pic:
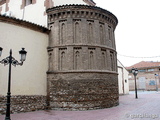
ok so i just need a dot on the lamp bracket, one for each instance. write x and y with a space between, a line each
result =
13 61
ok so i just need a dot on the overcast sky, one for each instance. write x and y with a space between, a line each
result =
138 30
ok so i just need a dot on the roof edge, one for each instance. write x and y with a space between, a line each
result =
143 67
23 23
121 64
77 6
90 2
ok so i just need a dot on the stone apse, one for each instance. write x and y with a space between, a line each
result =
82 71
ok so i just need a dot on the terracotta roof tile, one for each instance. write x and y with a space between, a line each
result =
144 64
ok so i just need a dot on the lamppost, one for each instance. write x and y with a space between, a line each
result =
135 72
156 82
11 61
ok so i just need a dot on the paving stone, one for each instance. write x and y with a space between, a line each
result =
146 107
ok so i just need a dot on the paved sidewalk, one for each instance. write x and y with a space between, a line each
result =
146 107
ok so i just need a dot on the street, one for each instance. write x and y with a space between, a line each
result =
146 107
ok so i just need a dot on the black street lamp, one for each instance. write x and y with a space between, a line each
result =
156 75
1 51
135 72
11 61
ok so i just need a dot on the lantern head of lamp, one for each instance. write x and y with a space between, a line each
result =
135 71
1 51
22 55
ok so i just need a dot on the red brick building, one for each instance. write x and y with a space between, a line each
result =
148 77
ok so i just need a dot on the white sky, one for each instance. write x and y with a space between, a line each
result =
138 30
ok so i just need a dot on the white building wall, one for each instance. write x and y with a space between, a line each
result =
64 2
15 8
123 79
34 13
3 8
30 78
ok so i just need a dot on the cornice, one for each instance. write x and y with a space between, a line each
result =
23 23
82 71
84 45
91 12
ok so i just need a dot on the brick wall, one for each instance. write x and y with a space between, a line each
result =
82 71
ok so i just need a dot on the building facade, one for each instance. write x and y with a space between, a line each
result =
148 76
28 82
123 82
71 64
34 10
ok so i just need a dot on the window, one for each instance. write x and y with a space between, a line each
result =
62 58
77 31
152 82
109 32
150 70
143 70
90 32
101 34
103 59
129 76
76 60
28 2
112 60
91 60
125 81
63 35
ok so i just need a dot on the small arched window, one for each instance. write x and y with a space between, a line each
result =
103 60
90 33
101 34
62 33
62 60
76 33
76 60
91 60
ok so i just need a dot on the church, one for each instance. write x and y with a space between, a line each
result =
71 61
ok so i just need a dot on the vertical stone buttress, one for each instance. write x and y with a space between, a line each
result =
82 71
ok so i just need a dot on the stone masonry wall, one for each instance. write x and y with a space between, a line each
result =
23 103
83 91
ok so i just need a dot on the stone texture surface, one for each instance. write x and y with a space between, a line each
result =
77 91
23 103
